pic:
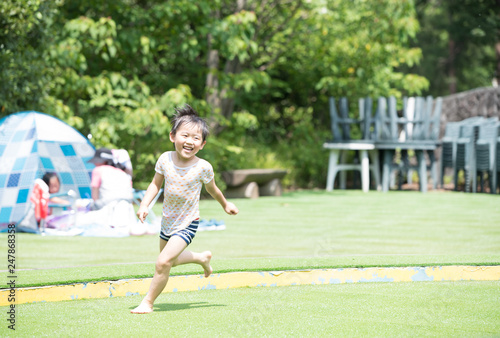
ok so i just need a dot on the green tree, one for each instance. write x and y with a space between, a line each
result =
343 48
260 71
25 37
458 41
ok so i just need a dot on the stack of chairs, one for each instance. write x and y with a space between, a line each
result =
449 148
369 133
496 169
417 131
465 157
474 137
486 150
344 129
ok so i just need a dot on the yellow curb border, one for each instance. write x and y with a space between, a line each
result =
128 287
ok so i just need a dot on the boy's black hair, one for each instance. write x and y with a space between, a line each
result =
187 115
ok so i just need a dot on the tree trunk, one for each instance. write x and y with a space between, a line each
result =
497 72
451 67
227 103
232 67
497 50
216 98
212 84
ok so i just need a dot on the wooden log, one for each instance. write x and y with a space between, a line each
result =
247 190
271 188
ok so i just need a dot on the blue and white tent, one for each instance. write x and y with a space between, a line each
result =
31 144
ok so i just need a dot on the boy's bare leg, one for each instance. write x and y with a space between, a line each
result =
203 259
165 263
171 250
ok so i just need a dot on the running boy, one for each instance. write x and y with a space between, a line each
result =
183 173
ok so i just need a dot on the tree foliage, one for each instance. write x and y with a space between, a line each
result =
25 33
259 71
458 42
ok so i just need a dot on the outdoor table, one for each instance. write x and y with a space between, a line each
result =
336 162
389 149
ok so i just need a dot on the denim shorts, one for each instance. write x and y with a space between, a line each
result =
186 234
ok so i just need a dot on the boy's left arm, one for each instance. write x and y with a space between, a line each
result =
215 192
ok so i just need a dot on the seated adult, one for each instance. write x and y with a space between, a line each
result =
109 181
112 193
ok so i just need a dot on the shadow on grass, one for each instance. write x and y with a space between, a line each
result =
182 306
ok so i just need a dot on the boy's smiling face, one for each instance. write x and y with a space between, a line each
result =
188 140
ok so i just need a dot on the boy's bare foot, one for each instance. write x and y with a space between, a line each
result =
206 263
142 308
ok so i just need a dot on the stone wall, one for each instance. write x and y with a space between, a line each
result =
476 102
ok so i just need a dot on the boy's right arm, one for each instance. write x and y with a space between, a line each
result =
150 194
215 192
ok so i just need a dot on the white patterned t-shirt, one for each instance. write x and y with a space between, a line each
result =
182 190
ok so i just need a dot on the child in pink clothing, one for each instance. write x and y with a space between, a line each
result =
183 174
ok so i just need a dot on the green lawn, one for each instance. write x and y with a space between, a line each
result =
308 229
439 309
